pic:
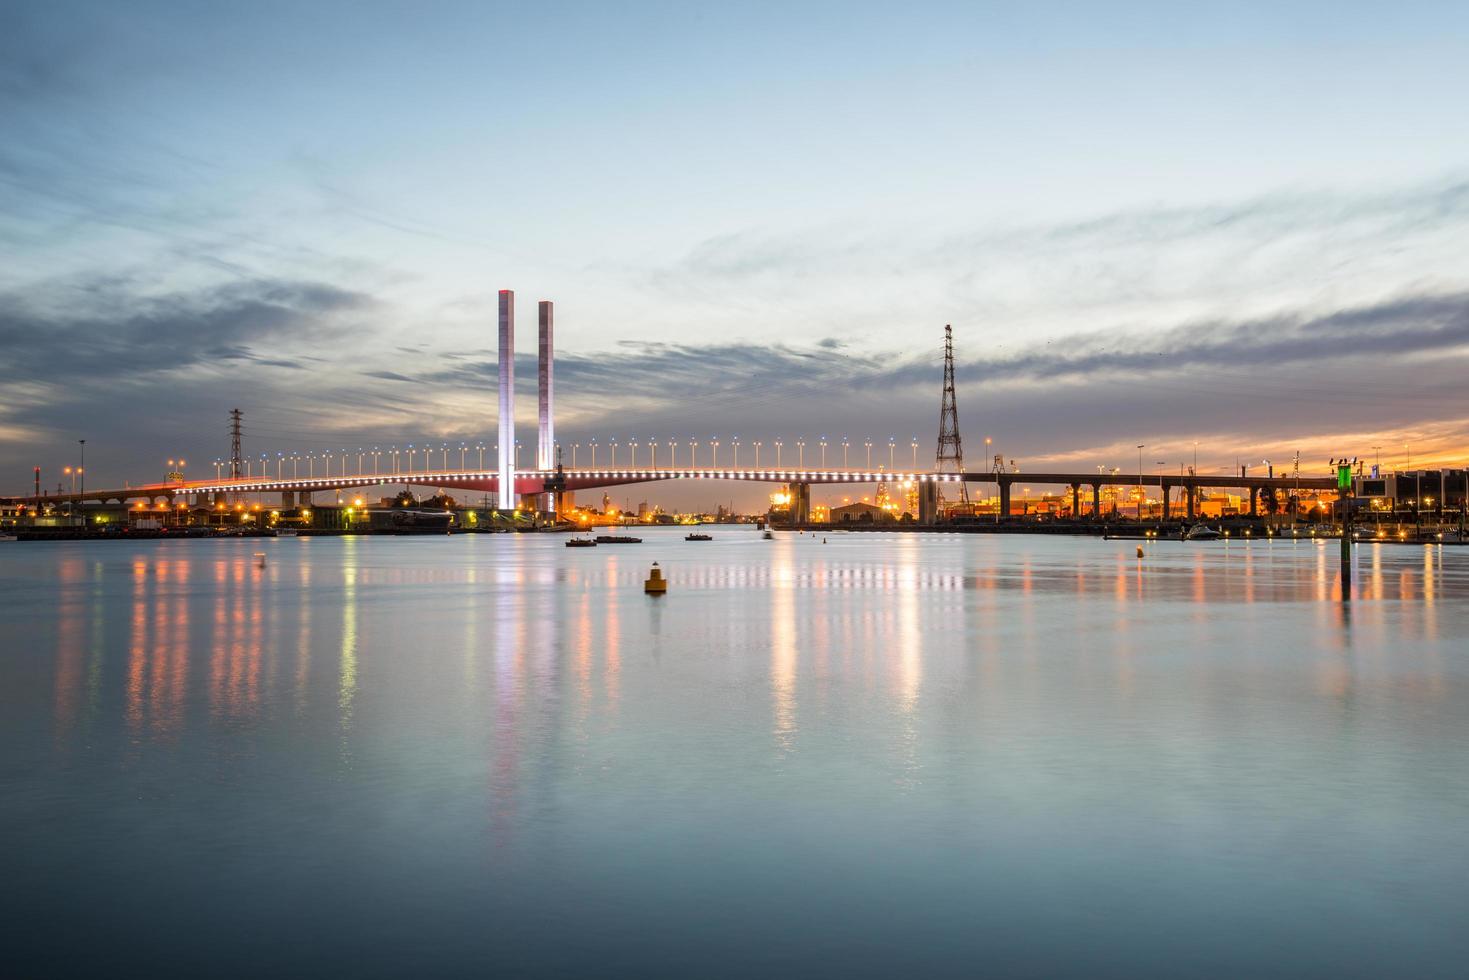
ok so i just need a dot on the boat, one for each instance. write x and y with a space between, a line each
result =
617 539
8 537
698 537
286 532
1202 532
580 543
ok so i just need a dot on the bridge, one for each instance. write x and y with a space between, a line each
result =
540 481
509 484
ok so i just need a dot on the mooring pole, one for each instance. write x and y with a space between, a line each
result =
1344 487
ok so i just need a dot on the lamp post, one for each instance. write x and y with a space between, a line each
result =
757 454
673 454
823 452
736 452
693 454
777 453
801 453
915 453
844 453
82 471
892 447
714 454
868 444
653 452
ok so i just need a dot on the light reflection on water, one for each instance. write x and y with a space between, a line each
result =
873 754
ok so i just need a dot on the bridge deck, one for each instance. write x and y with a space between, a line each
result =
534 481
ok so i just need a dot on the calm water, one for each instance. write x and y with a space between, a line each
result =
884 755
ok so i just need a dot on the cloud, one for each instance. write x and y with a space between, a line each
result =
1395 328
106 335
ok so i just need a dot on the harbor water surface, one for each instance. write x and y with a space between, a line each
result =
858 755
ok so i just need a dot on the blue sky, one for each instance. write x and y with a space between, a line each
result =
1241 224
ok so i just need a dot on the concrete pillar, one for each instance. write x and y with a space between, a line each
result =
506 463
1004 498
288 500
546 443
1096 501
800 503
1166 488
928 502
1192 505
1075 501
1254 502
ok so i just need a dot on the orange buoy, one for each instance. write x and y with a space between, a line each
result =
656 584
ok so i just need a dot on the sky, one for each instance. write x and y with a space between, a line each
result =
1238 225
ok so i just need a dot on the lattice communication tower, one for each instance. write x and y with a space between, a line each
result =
950 456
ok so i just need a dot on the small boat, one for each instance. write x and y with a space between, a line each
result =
580 543
617 539
1202 532
698 537
286 532
8 537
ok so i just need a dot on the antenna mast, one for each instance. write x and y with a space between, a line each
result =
950 457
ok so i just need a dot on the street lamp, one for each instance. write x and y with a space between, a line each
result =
868 444
736 452
778 444
693 454
801 453
757 454
844 453
915 452
714 457
892 446
823 452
